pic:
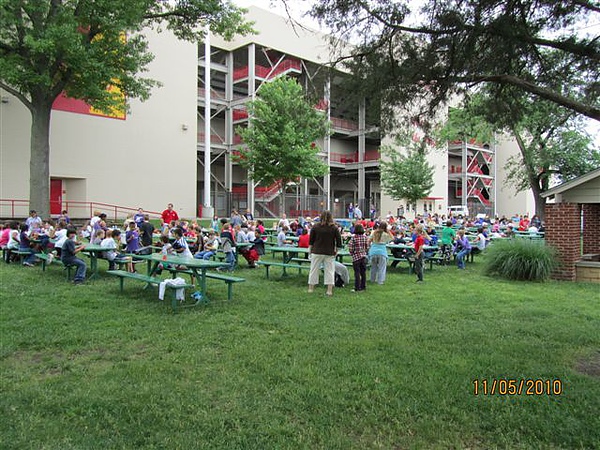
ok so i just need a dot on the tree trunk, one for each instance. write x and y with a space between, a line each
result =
39 164
282 201
539 202
532 176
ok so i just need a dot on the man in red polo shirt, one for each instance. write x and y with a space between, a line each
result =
169 214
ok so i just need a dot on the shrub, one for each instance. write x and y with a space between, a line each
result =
520 259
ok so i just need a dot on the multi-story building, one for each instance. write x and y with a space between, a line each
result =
464 175
157 153
237 70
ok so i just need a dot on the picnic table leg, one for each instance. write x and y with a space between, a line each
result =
152 268
202 277
174 301
93 265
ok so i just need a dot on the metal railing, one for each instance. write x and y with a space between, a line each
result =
13 208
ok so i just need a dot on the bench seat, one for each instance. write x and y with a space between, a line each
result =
56 260
228 279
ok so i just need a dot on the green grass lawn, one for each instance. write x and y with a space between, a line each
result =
85 367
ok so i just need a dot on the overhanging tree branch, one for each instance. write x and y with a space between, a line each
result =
545 93
17 94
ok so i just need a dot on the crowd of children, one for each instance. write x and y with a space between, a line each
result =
367 239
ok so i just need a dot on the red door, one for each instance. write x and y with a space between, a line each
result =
55 197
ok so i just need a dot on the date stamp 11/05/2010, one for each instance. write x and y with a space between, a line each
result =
517 386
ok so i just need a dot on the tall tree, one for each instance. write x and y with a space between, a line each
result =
448 46
551 139
80 47
279 143
405 172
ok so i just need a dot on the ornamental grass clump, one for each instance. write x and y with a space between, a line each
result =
520 259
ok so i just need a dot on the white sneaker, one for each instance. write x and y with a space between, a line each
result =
50 258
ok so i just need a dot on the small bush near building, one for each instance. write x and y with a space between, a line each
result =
520 259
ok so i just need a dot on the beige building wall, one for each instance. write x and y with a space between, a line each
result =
147 160
508 201
279 33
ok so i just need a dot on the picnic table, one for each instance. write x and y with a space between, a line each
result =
410 253
94 252
197 266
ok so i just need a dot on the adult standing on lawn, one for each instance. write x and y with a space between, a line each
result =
325 240
169 215
378 256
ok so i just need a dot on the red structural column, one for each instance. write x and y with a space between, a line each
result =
563 225
591 228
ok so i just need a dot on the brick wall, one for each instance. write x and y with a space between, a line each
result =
562 232
591 228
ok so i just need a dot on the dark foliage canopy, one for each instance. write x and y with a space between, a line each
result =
449 46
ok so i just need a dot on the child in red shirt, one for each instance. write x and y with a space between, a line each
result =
419 257
303 240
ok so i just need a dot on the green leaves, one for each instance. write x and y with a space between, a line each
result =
520 259
433 50
280 139
83 47
93 50
407 175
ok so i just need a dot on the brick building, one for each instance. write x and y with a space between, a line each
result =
573 227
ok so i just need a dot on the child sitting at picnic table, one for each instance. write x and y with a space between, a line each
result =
249 253
25 245
228 246
112 242
480 242
69 249
180 246
462 248
304 239
398 253
282 237
210 247
98 237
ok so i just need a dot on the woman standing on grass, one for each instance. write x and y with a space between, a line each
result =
378 252
324 242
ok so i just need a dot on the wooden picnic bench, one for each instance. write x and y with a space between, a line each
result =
150 280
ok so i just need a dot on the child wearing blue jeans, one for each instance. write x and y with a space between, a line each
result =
69 250
228 246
